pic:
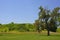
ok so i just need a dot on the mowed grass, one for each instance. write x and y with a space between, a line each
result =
29 36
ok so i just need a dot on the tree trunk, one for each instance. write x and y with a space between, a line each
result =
48 32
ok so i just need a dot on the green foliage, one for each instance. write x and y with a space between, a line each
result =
58 30
47 19
17 27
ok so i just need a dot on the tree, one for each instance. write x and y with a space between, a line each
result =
10 26
47 19
37 25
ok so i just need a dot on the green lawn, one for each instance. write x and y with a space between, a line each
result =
29 36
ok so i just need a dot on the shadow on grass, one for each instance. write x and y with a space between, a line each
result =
50 35
55 35
47 35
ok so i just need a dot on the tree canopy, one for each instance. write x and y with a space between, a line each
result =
48 19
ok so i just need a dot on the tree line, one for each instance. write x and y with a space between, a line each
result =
24 27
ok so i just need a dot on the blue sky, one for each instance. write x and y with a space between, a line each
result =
23 11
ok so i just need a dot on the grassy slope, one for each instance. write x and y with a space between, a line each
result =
29 36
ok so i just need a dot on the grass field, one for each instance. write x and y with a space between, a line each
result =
29 36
